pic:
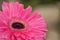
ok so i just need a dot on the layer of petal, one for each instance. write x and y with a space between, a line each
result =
34 16
27 12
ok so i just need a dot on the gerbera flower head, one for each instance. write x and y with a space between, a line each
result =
17 23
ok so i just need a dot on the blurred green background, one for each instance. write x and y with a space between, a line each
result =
35 3
50 10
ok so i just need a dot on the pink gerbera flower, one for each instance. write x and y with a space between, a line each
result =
16 23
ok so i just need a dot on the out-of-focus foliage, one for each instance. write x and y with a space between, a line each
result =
37 2
30 2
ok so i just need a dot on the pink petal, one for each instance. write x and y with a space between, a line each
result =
17 9
27 12
4 35
5 8
14 9
34 16
38 24
20 10
2 18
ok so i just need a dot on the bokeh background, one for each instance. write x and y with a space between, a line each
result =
50 10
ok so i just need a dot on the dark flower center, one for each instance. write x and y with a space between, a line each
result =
17 25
